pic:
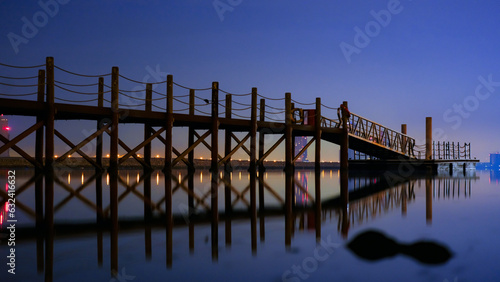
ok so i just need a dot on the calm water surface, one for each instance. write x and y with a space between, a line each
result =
460 212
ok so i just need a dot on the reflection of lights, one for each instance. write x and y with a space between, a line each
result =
231 175
69 178
201 177
322 174
220 174
157 178
180 177
239 175
265 175
6 206
137 179
107 179
6 128
330 174
128 178
83 178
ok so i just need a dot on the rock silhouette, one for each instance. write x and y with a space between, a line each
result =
373 245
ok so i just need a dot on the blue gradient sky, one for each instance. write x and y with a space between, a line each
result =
425 61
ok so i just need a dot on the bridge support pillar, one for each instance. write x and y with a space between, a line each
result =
428 138
404 147
344 143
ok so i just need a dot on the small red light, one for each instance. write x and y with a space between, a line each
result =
6 128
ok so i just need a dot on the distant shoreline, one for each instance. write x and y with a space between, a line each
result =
157 163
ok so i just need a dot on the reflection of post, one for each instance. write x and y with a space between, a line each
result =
344 143
148 214
49 224
113 198
344 198
39 176
99 215
317 204
288 206
404 199
428 200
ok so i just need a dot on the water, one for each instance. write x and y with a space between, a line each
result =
460 213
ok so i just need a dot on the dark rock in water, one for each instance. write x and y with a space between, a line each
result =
373 245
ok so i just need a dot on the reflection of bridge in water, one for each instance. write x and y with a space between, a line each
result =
358 201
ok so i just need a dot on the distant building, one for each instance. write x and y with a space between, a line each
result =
495 160
4 130
300 143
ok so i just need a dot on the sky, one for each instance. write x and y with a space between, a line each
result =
394 62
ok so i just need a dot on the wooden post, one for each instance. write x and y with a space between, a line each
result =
168 167
100 104
147 126
191 171
113 169
404 148
317 135
227 174
215 170
39 175
288 132
344 143
253 170
261 173
49 171
428 200
428 138
317 168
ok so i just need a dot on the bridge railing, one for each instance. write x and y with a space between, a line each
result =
377 133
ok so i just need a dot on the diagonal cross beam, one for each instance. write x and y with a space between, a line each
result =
240 144
77 193
205 143
303 150
243 146
143 143
11 144
200 139
162 139
261 160
124 146
75 149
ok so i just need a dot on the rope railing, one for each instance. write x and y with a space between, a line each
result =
21 67
76 92
80 74
189 88
11 77
450 151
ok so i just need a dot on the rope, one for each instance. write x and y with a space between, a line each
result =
328 107
274 99
208 102
241 104
130 106
131 97
140 82
274 108
244 94
181 101
22 67
305 104
133 91
182 110
79 74
18 95
274 113
244 109
76 85
15 85
76 92
273 119
202 112
188 88
82 101
10 77
164 95
240 116
158 107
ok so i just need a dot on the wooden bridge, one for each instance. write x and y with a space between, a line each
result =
347 129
